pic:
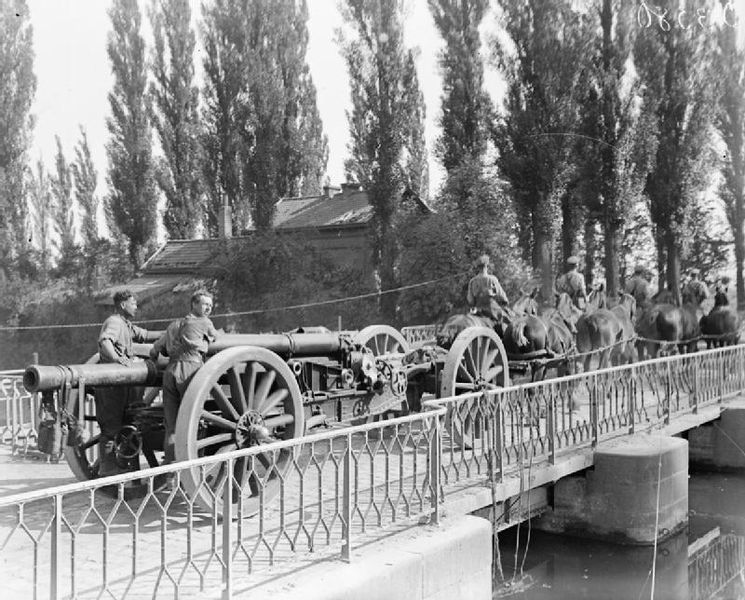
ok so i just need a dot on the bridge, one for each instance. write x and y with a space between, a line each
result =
510 453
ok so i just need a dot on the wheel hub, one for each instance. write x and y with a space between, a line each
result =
251 430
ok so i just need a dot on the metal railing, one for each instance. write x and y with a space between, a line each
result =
225 519
19 411
496 431
142 532
420 334
715 567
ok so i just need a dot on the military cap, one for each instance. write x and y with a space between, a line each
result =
482 260
572 260
639 269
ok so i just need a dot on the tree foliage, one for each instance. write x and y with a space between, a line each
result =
17 89
386 147
85 178
675 67
466 107
64 217
132 199
542 59
730 123
42 216
175 103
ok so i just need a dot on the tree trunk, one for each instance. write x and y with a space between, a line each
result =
589 249
612 252
739 259
567 233
661 261
673 269
542 252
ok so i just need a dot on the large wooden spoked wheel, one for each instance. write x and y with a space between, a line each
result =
83 454
241 397
476 361
382 339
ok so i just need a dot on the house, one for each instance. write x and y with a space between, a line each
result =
335 222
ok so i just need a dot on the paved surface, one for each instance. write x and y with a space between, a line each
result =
34 471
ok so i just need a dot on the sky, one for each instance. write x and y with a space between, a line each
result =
74 76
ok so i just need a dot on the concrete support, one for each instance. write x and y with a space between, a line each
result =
721 444
449 562
617 500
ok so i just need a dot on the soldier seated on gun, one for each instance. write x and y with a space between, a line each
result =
185 343
115 346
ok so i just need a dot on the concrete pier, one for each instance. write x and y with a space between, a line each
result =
617 499
720 444
449 562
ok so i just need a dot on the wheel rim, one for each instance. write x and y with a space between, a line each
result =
476 362
241 397
382 339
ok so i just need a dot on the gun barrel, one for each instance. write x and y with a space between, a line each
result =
284 344
39 378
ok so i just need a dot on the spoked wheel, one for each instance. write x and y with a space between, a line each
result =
241 397
382 339
475 362
134 450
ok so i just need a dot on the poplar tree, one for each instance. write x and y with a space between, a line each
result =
17 89
542 62
64 213
132 199
386 103
675 65
41 201
85 177
175 102
730 122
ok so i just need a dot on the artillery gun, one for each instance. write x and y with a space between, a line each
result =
258 388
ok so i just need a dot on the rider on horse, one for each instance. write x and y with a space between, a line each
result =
485 294
572 283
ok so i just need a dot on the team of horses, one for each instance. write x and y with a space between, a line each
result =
609 331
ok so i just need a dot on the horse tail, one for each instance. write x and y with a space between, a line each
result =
518 334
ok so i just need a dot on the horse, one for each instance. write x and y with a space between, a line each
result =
721 321
666 323
551 334
525 305
603 331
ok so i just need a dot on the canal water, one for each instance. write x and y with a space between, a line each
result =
705 562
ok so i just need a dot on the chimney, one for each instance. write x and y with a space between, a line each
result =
330 190
225 221
350 186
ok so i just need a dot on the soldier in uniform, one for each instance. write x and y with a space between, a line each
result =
185 343
115 346
695 290
573 283
485 294
638 286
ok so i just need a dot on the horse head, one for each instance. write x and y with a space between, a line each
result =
568 312
665 296
527 304
720 298
628 302
596 298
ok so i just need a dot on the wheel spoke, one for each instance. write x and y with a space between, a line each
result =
237 393
491 374
471 365
376 339
279 421
460 385
218 420
222 400
489 357
249 383
263 389
273 400
220 438
463 372
90 443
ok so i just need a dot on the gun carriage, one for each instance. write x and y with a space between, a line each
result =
258 388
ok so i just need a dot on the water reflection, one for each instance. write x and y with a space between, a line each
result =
706 562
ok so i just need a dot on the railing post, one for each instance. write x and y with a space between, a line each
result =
227 531
54 576
435 456
551 429
498 437
696 399
668 393
721 377
594 411
632 400
346 548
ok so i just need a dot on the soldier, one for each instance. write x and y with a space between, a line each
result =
638 286
485 294
115 346
573 283
695 290
185 343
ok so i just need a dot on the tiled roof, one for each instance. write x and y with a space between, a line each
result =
143 287
319 211
183 256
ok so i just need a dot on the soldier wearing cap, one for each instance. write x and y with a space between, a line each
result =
638 286
573 283
695 290
485 294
